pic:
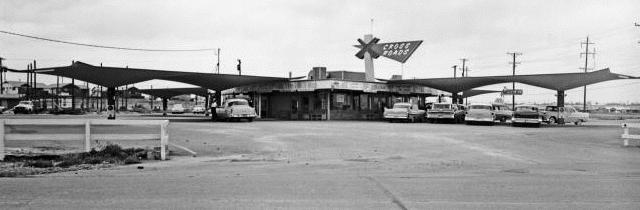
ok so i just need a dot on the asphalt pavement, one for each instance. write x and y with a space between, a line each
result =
356 165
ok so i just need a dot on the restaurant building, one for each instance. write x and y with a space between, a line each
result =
329 95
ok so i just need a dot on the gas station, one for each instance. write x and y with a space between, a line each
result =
323 95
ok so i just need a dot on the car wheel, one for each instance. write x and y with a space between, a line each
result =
250 119
552 120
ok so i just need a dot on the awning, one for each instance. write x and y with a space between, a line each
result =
117 76
171 92
558 82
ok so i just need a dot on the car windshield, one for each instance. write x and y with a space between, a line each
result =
233 103
480 107
551 108
401 106
442 106
177 106
527 108
25 102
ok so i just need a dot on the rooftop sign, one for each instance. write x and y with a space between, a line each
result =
398 51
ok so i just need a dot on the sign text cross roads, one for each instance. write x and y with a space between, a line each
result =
398 51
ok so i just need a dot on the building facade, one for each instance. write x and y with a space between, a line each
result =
334 95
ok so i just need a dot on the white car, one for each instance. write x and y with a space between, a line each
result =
198 109
177 109
480 113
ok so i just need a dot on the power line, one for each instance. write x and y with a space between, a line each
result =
107 47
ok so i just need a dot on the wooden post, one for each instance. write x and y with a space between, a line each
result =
2 140
87 136
164 140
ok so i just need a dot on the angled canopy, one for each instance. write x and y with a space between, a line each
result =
116 76
171 92
475 92
559 82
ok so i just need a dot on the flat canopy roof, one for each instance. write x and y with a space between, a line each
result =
559 82
171 92
117 76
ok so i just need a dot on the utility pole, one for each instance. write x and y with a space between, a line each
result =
513 84
466 99
218 64
455 68
586 54
464 61
637 25
239 67
1 76
35 85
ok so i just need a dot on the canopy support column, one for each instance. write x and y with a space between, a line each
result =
560 96
111 103
164 106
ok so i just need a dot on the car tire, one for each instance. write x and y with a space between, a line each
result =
552 120
250 119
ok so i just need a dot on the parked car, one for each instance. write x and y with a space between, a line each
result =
235 109
446 112
198 109
177 109
405 112
526 115
27 107
480 113
562 115
502 112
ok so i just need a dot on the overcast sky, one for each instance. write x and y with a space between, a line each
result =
275 37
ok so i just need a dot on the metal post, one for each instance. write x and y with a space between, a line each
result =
111 101
164 106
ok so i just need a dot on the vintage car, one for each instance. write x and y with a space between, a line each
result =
479 113
446 112
562 115
526 115
28 107
235 109
177 109
502 112
198 109
405 112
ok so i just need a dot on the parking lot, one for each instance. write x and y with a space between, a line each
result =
357 165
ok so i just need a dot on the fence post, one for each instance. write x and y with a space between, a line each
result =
164 140
87 136
2 140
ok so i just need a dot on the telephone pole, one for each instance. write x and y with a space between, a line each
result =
513 84
637 25
1 76
218 64
464 61
586 54
455 68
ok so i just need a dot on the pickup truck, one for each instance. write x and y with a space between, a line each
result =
444 111
404 111
235 109
562 115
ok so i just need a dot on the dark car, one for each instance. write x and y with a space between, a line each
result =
526 115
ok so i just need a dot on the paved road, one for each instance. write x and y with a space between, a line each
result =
358 165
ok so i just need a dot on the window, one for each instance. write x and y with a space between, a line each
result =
480 107
442 106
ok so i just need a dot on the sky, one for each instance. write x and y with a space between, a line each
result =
273 38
